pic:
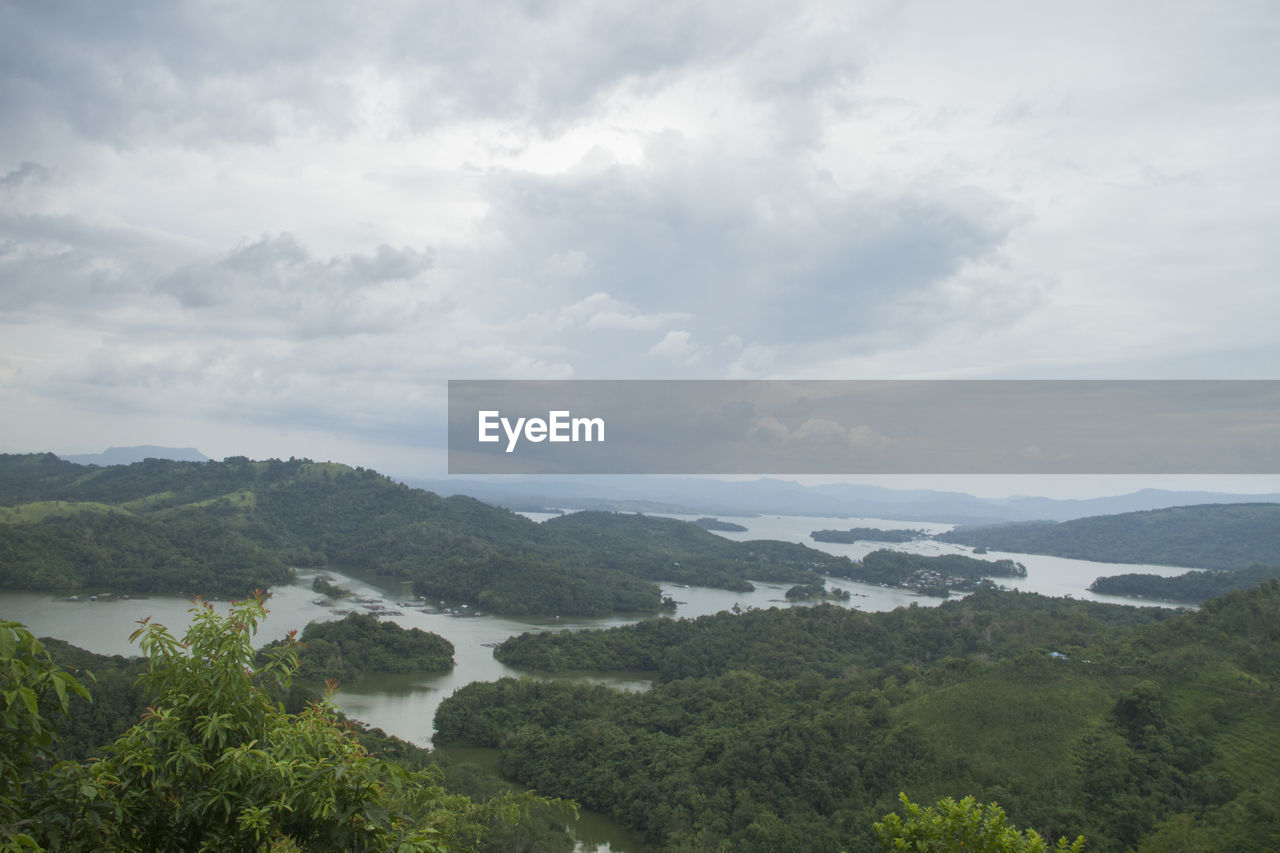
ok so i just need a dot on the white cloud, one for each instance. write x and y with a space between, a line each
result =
677 346
282 222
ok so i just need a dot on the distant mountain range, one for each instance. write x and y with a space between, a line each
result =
1209 536
773 496
129 455
766 496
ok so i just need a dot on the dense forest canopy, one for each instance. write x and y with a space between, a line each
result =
226 528
1209 536
798 728
707 523
1192 587
1140 728
361 644
866 534
217 763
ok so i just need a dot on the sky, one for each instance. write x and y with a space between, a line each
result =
255 231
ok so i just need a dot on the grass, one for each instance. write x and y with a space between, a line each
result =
317 470
36 511
149 502
244 500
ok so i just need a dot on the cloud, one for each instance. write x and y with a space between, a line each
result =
278 274
27 173
814 438
247 73
678 346
233 209
602 311
773 251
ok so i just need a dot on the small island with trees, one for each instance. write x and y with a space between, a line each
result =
866 534
816 591
938 575
360 644
723 526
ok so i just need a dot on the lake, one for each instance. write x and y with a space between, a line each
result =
405 705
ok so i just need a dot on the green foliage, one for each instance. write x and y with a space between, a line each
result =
228 527
901 568
326 587
796 729
815 591
100 552
217 764
117 701
866 534
707 523
827 640
1192 587
1210 536
34 691
964 825
360 644
667 549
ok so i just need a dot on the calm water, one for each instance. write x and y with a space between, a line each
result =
405 705
1055 576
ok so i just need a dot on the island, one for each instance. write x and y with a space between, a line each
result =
717 524
866 534
931 575
816 591
361 644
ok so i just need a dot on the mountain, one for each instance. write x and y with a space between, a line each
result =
770 496
1207 536
129 455
794 729
1147 499
226 528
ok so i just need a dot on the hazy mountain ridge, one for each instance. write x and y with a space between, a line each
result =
768 496
139 453
1214 536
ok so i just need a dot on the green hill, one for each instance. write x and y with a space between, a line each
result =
1209 536
796 729
1192 587
225 528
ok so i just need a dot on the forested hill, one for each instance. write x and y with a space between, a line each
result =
1143 729
1209 536
225 528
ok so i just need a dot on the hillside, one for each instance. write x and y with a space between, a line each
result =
1192 587
795 729
225 528
1207 536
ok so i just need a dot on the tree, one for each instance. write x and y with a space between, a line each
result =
217 764
31 686
964 825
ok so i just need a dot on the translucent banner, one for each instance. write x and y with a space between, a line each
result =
864 427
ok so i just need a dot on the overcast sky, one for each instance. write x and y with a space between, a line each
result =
278 229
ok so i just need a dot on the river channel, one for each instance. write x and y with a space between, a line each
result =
405 705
